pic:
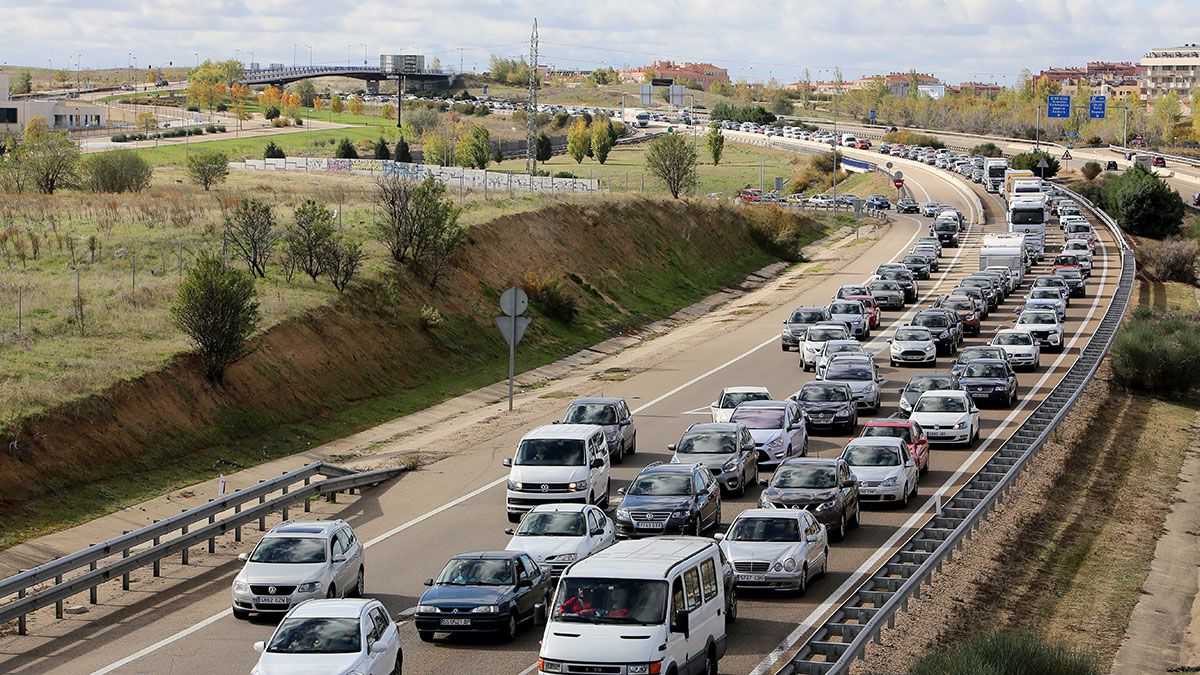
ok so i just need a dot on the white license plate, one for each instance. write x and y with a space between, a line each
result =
271 599
650 526
456 622
751 577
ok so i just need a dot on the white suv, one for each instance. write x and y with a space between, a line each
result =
558 463
298 561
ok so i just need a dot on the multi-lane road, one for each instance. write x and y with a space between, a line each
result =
457 504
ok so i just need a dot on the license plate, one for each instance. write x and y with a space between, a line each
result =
751 577
271 599
456 622
650 526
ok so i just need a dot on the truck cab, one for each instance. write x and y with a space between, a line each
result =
946 230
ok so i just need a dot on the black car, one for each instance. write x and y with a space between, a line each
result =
906 281
669 499
942 328
986 286
828 405
907 205
824 485
918 265
1110 165
974 353
990 380
957 329
922 383
484 592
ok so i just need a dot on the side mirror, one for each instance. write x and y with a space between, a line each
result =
260 646
428 582
509 530
888 340
680 624
243 557
849 483
378 647
339 559
762 483
719 536
620 491
671 447
879 379
524 583
713 405
909 463
597 463
557 422
598 531
507 461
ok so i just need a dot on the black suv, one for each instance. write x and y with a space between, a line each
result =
905 278
669 499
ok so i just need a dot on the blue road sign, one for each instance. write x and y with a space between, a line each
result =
1058 106
873 114
1098 107
485 87
1072 133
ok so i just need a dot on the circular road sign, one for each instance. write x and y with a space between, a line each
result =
514 302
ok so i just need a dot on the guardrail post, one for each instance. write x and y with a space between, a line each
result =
262 520
212 541
125 576
92 590
58 606
237 531
285 508
21 619
183 555
308 499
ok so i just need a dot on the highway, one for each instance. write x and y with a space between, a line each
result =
457 504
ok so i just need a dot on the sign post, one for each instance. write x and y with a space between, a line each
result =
873 114
512 325
1042 165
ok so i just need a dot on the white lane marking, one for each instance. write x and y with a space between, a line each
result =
163 642
869 565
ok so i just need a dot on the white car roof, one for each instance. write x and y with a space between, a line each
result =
746 390
640 558
1013 330
945 393
559 508
350 608
576 431
876 440
769 513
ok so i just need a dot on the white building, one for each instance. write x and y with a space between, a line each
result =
1175 68
16 113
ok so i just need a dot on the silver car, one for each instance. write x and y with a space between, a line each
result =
888 294
726 450
797 325
611 414
853 314
298 561
815 338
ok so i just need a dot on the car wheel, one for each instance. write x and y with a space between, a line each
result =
731 608
360 585
541 616
824 564
717 518
398 667
892 362
607 491
331 592
425 635
698 527
240 614
509 632
710 662
841 531
619 458
784 347
741 491
857 519
632 444
803 580
904 499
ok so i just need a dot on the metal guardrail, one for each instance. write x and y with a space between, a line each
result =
338 479
1182 159
844 635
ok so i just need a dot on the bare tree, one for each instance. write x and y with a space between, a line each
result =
341 261
394 194
250 230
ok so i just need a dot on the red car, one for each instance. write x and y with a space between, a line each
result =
907 430
1158 161
751 195
872 308
863 144
1066 261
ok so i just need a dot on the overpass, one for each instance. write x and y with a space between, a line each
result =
371 74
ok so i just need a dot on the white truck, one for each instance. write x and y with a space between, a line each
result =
993 173
1007 249
641 118
1027 214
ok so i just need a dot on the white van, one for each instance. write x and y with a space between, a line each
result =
848 140
558 464
643 607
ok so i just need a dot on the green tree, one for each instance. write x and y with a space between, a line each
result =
307 92
715 140
216 307
1143 203
474 149
345 150
23 84
1196 113
578 140
336 104
403 153
435 149
49 158
311 233
207 169
602 138
1091 170
381 149
545 148
672 160
781 103
1030 160
117 171
1167 111
273 151
250 231
341 260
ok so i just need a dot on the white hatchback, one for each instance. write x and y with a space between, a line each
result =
1022 349
332 636
947 416
732 397
556 535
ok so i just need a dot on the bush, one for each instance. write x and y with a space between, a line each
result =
222 107
298 121
1169 260
381 149
1143 203
781 233
273 151
192 107
117 171
345 150
913 138
1091 170
120 138
548 293
271 112
280 122
208 168
544 149
1030 160
221 128
217 309
1007 653
431 318
565 174
988 149
211 129
1158 351
1095 141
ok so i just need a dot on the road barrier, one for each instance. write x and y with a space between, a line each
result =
1182 159
184 535
844 635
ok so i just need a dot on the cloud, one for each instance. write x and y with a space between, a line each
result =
955 39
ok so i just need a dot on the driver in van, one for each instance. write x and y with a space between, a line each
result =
577 604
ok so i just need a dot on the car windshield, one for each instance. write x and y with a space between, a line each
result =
552 524
885 286
801 477
932 320
1014 339
551 452
888 431
916 260
845 308
913 335
807 316
1075 228
1027 216
849 371
1066 260
757 418
765 529
960 305
824 393
591 413
842 348
946 226
920 385
308 635
1045 293
708 443
1070 274
289 550
634 601
990 370
477 572
1037 318
733 399
871 455
662 484
823 333
893 275
941 404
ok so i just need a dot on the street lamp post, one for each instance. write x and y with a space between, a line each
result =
309 55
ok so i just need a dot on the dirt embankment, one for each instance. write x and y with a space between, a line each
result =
370 356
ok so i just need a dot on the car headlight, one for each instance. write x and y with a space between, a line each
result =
577 486
428 609
764 503
731 465
514 485
643 668
930 348
904 404
944 334
842 412
961 425
486 609
1001 387
240 586
826 506
870 388
681 513
307 587
789 564
623 514
564 557
776 442
778 567
890 482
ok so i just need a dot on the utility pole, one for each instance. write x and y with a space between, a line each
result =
460 61
1037 142
531 108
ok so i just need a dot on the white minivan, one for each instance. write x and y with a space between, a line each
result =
639 607
558 463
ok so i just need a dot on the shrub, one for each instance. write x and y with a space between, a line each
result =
117 171
1030 160
250 232
271 112
544 149
988 149
345 150
212 129
1007 653
1158 351
120 138
1169 260
1091 170
548 293
192 107
1095 141
564 174
1143 203
222 107
208 168
298 121
381 149
781 233
221 128
403 153
273 151
280 122
217 309
913 138
431 318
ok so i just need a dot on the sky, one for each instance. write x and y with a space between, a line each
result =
959 40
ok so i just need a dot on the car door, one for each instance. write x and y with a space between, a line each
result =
355 554
337 558
387 633
921 443
598 450
911 470
677 638
813 549
796 432
1012 378
371 634
849 492
628 430
714 495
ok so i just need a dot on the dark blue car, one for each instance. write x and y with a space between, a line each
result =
669 499
878 202
491 592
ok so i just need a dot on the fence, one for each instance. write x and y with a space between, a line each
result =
844 635
184 535
452 176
